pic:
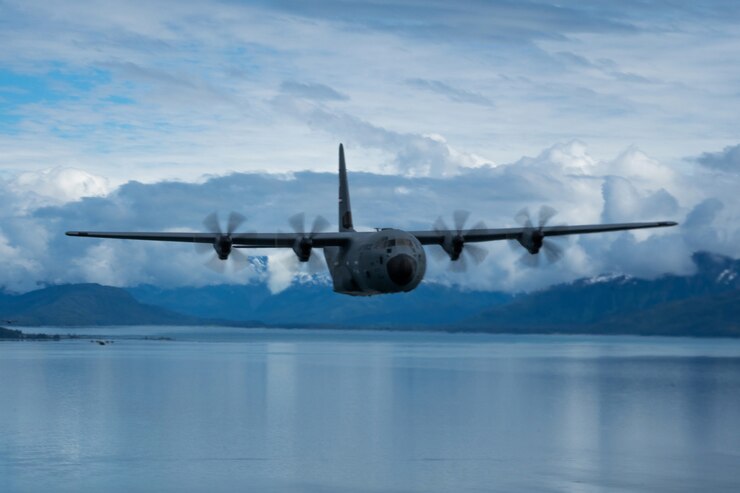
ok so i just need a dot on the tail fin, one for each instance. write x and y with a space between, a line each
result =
345 210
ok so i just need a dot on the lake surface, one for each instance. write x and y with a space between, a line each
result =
327 411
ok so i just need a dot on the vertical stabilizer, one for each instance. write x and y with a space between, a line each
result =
345 210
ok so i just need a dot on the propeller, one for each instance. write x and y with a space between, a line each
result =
303 245
534 241
453 243
223 243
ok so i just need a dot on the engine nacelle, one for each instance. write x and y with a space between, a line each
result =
222 245
302 248
532 241
453 245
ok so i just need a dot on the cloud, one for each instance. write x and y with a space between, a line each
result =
413 154
316 92
166 90
454 94
564 176
604 66
727 160
465 21
637 166
700 230
623 202
59 185
18 270
704 214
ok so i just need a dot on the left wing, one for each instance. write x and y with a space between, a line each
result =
238 240
479 235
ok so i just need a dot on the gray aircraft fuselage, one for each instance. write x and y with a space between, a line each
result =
386 261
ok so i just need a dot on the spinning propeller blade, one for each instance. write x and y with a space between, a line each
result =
454 245
222 245
534 241
304 258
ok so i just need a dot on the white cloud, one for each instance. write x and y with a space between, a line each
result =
101 265
18 270
623 202
728 159
280 274
167 90
60 185
635 165
564 176
411 154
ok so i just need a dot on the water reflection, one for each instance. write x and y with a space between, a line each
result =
310 411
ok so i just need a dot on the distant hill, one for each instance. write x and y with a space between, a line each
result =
700 304
430 305
85 304
703 316
706 303
11 334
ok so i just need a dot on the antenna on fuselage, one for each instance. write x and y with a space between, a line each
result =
345 210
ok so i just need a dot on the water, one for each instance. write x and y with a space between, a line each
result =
317 411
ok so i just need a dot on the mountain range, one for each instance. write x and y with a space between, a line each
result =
84 304
706 303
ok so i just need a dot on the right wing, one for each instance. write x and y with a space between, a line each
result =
438 237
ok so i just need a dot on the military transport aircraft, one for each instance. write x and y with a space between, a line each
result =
386 260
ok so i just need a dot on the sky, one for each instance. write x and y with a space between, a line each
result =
150 115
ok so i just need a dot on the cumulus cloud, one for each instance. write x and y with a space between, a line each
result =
623 202
703 215
635 165
564 176
19 271
728 159
59 185
701 230
567 158
651 257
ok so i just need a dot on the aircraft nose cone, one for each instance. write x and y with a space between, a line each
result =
401 269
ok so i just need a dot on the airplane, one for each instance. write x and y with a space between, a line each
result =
387 260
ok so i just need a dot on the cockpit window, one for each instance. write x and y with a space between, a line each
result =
402 242
392 242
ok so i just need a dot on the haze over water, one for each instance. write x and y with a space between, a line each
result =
320 411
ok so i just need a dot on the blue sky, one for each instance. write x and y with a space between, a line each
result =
606 110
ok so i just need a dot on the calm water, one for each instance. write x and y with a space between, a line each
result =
321 411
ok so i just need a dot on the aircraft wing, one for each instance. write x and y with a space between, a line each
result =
321 240
239 240
478 235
